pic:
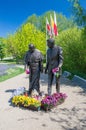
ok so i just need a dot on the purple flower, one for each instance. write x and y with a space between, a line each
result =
53 99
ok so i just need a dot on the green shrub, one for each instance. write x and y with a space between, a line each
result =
73 43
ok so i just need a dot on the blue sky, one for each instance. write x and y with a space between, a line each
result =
14 12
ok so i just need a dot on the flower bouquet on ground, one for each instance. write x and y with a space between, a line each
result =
37 102
26 102
51 101
60 97
47 103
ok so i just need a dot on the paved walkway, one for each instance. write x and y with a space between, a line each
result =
71 115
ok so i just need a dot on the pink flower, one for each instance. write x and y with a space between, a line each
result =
55 70
27 71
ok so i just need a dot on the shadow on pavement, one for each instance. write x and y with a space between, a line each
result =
10 90
63 81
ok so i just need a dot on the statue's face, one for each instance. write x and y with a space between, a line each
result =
31 48
50 45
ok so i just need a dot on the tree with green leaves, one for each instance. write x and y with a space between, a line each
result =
40 21
2 53
18 43
79 13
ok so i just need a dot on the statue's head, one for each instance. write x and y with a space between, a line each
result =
50 42
31 47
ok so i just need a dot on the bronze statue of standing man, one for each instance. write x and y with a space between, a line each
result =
33 59
54 62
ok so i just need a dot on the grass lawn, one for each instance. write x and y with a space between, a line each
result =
11 73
